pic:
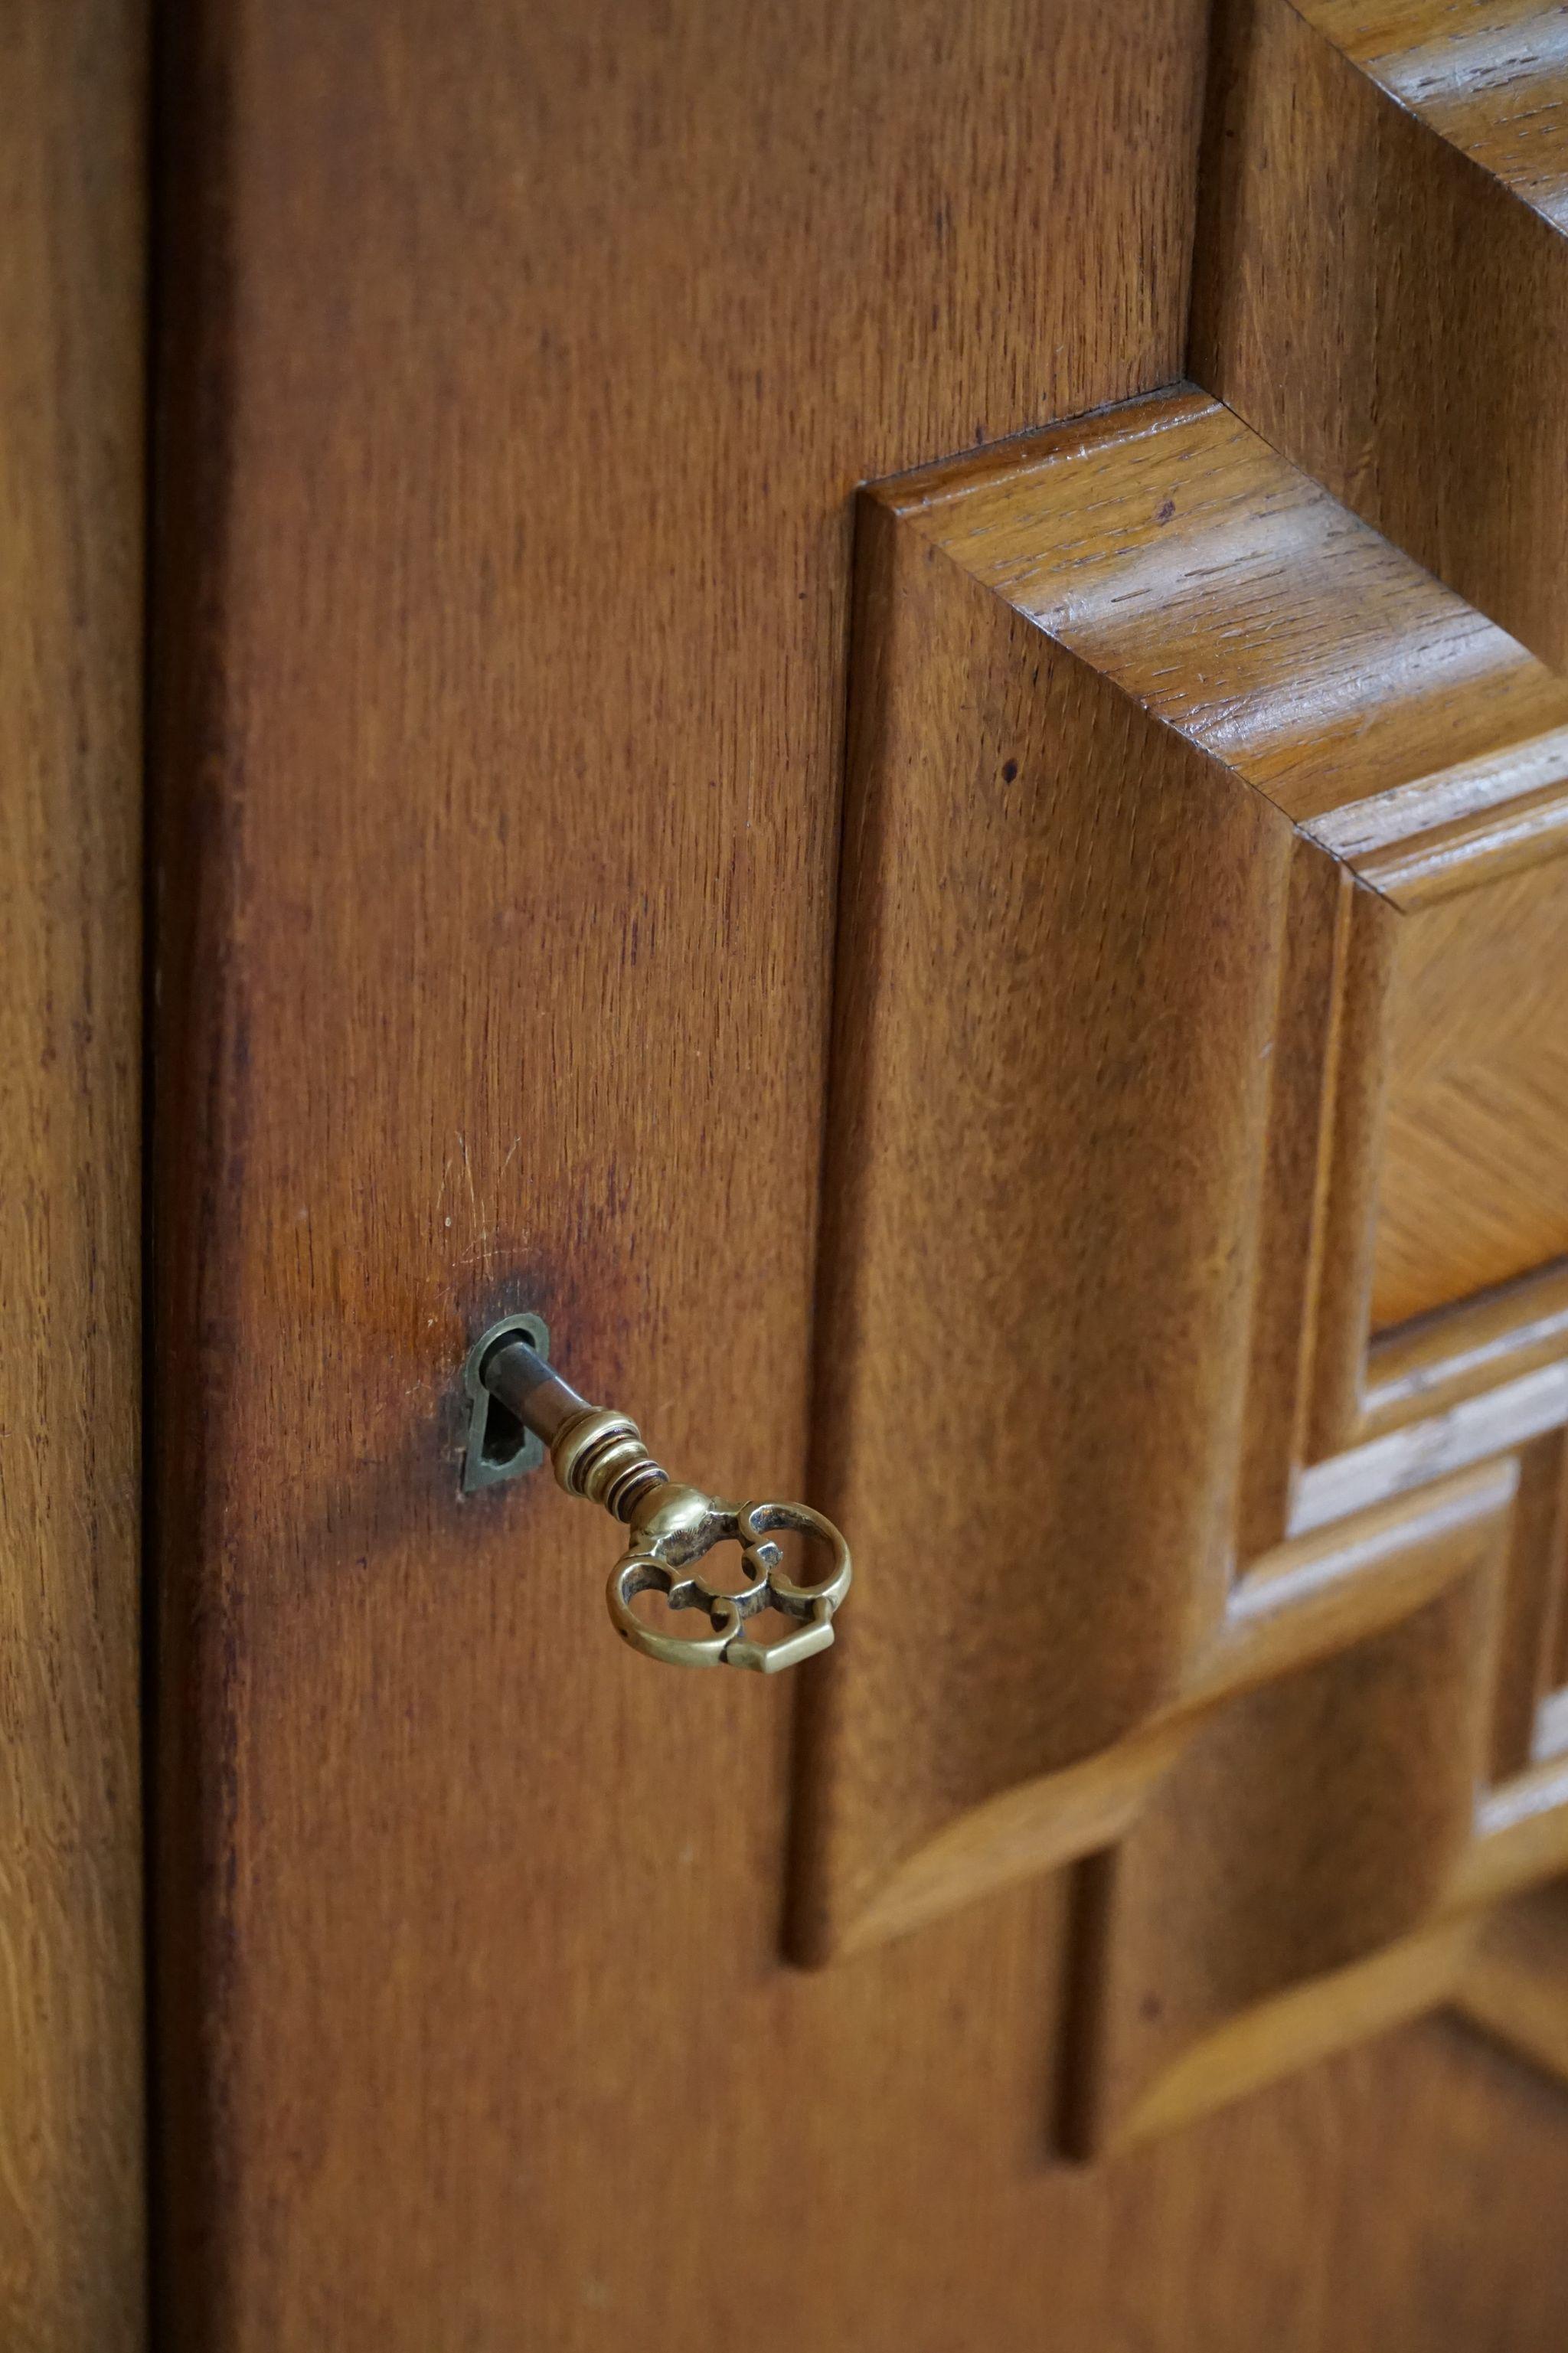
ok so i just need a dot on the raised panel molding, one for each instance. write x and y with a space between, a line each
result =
1514 1980
1381 283
1182 806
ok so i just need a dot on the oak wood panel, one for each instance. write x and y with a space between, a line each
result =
1309 1826
1382 281
519 365
1288 1888
1473 1181
1308 1600
1492 80
1515 1981
1235 598
1441 1389
1440 1360
1116 1120
1530 1672
1301 1691
1032 1215
71 2174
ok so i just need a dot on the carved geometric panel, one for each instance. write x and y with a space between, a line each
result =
1380 281
1178 800
1473 1173
1303 1831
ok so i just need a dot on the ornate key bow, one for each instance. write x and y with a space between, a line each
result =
599 1454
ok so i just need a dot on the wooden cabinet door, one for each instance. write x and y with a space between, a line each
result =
1026 1003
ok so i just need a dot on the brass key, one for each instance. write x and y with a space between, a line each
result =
599 1454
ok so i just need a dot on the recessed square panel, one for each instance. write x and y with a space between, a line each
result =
1473 1183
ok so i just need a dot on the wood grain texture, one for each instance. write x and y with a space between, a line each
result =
1440 1360
1514 1984
1529 1671
1313 1865
1382 279
1149 735
72 2110
1308 1600
1492 80
520 365
1309 1826
1044 1203
1474 1184
1182 779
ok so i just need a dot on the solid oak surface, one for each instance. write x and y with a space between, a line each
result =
1475 1172
1380 277
1493 80
519 368
72 2174
1204 802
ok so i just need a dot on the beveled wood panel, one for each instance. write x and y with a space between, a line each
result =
1381 279
1309 1826
1030 1220
1473 1174
1493 80
72 2176
520 363
1514 1983
1200 793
